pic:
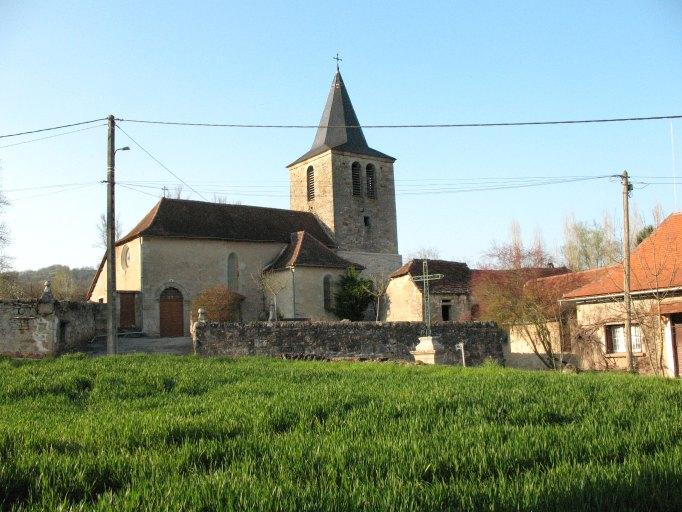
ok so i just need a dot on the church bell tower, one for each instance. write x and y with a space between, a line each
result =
349 187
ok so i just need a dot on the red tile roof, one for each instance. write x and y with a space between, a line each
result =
455 279
180 218
656 263
305 250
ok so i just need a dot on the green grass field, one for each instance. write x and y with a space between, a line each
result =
172 433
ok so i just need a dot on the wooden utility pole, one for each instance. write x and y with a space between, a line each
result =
112 327
627 187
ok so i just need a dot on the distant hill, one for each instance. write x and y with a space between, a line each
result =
67 283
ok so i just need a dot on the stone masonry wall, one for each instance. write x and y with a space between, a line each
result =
29 328
371 340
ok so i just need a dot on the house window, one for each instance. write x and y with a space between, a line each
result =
327 293
233 272
371 181
615 339
355 174
310 178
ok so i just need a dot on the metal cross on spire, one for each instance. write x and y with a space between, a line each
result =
425 278
337 59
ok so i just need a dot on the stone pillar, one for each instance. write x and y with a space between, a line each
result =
428 351
196 326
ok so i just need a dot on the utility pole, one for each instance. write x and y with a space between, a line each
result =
112 327
627 187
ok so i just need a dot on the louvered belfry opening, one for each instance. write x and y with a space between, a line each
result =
356 171
370 173
311 183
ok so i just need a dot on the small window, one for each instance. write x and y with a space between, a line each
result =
125 257
356 170
615 339
327 293
371 181
445 312
233 272
310 178
368 221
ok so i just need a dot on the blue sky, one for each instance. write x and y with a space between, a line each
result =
261 62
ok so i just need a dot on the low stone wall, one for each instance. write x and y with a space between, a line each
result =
32 328
371 340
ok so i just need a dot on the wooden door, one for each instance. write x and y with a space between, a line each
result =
171 313
127 313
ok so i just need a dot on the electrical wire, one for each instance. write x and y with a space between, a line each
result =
160 163
435 125
52 136
51 128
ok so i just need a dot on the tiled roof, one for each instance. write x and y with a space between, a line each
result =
656 263
339 127
559 285
455 275
180 218
305 250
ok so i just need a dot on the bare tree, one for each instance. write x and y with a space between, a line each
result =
424 253
102 231
381 281
513 254
268 288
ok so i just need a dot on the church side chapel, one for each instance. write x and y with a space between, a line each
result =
342 214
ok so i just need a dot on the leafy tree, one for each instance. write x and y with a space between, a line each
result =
354 295
219 303
590 245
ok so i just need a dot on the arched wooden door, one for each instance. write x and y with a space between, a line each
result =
171 313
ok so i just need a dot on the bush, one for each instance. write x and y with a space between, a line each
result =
354 295
219 303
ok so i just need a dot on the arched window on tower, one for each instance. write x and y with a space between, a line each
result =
370 173
356 170
327 288
310 178
233 272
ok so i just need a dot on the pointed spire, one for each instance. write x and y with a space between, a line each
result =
339 127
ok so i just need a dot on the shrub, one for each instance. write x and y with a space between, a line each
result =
354 295
219 303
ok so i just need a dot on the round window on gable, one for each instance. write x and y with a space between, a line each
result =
125 257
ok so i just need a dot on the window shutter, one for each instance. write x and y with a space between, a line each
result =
609 339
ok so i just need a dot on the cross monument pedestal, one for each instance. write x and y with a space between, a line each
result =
428 350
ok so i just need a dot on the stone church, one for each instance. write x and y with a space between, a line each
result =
342 213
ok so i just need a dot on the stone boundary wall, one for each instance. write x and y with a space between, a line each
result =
370 340
40 328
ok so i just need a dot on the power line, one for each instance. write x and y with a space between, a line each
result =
53 136
160 163
52 128
62 185
435 125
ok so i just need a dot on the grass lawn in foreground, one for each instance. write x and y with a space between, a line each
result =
188 433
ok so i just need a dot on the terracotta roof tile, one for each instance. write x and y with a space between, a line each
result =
455 280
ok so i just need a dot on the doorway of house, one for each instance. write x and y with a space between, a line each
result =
171 313
676 321
127 313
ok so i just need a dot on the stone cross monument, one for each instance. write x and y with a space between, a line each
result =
429 350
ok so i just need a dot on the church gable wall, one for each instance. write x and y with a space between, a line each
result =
194 265
128 272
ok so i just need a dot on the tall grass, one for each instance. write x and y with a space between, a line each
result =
168 433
